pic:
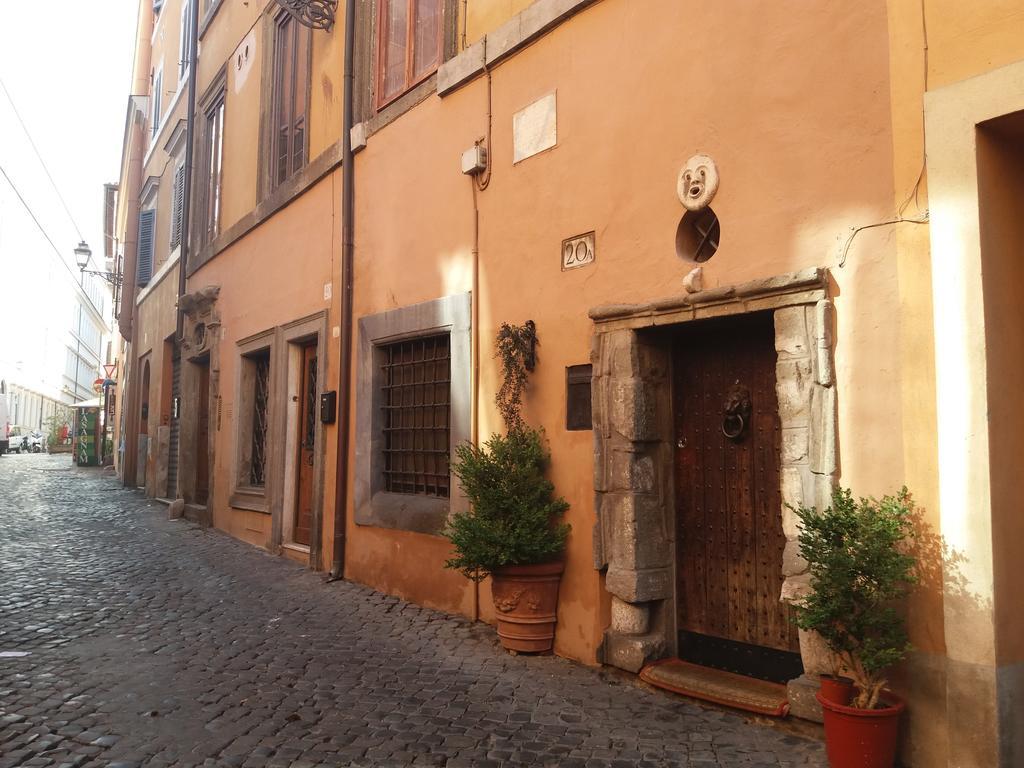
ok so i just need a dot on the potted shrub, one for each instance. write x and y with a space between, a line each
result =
512 531
859 573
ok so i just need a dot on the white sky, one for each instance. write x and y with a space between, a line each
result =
67 67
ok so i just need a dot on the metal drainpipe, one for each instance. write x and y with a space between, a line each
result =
347 250
186 192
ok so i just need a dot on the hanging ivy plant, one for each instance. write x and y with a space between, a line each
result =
516 348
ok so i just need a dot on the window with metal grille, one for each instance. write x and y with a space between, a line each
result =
416 389
261 398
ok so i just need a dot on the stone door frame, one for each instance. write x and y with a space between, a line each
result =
634 535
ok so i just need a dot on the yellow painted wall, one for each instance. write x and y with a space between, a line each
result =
155 322
234 41
963 41
945 42
482 16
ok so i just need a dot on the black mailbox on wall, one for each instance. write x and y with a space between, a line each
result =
328 407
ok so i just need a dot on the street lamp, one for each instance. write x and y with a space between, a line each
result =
82 255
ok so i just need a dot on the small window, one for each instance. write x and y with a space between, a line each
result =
185 38
416 388
288 115
260 363
213 139
408 45
158 89
578 415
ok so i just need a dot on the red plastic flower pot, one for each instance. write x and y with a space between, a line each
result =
836 688
861 738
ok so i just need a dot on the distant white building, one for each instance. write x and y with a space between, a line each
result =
56 351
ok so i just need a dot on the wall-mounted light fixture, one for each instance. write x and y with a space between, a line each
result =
82 255
317 14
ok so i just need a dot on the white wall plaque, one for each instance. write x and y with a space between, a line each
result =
534 128
578 251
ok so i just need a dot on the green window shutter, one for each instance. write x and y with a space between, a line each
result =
144 265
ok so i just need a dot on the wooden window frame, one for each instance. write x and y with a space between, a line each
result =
209 227
276 85
411 80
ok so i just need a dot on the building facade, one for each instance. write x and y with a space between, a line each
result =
513 160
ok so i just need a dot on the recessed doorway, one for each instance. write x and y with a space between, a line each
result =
729 537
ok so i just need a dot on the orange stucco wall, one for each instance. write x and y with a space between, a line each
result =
813 113
803 156
293 254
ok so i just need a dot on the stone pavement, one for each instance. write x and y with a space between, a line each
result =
154 643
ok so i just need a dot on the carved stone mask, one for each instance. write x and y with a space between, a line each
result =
698 182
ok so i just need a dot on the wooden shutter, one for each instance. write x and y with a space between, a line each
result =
177 206
144 265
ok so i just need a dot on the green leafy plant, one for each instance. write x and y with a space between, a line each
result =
860 571
514 512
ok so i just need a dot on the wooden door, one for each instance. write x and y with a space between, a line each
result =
307 437
203 436
728 501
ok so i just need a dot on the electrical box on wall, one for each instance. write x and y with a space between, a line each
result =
474 160
328 407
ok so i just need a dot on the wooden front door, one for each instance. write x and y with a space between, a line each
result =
307 435
203 435
728 502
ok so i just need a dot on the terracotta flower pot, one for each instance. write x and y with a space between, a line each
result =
861 738
836 688
526 602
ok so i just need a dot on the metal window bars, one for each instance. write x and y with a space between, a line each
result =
416 389
261 398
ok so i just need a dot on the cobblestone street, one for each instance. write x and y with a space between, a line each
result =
130 640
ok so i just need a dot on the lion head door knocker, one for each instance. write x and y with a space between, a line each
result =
698 182
736 412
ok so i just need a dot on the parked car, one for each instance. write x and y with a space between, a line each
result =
5 419
17 438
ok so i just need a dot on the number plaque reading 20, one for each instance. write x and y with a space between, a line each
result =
578 251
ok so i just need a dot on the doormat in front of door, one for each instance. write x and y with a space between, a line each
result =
717 686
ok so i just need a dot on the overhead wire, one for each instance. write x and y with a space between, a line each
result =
75 278
42 162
